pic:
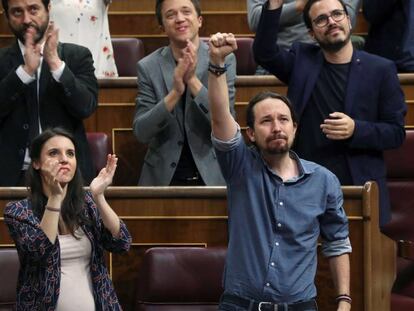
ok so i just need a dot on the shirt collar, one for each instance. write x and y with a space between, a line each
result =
23 48
304 167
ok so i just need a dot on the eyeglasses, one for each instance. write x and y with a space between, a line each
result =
323 20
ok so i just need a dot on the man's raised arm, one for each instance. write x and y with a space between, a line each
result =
223 125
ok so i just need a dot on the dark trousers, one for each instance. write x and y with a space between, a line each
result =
235 303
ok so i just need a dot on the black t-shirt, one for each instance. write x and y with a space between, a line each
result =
186 167
311 143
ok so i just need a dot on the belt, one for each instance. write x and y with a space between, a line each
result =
269 306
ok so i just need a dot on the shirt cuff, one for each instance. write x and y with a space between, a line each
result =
222 145
58 72
24 76
336 248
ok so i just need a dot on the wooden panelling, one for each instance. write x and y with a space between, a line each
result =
149 5
116 110
117 99
138 24
125 24
409 118
248 86
198 216
131 154
118 90
362 26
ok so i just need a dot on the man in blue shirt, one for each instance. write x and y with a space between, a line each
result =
278 204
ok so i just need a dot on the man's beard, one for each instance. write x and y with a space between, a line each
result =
20 32
334 46
278 149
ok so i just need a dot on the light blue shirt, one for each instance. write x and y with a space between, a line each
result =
274 226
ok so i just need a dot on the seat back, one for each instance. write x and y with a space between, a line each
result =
246 64
100 147
127 52
400 181
9 269
180 278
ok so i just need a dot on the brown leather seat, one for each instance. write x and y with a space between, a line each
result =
127 52
9 269
100 148
246 64
180 279
400 181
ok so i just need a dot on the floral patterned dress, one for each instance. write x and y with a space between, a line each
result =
38 286
85 22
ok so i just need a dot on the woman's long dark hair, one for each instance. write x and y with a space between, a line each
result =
72 209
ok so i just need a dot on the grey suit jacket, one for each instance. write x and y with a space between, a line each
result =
163 131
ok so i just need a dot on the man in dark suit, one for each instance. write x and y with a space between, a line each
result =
350 103
172 113
43 83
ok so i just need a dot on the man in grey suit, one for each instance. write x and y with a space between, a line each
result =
172 109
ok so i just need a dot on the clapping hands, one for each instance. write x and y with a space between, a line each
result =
105 176
186 67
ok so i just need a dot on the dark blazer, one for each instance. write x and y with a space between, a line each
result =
391 31
374 99
63 104
39 274
164 131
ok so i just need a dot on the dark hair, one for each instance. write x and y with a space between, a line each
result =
158 6
5 4
308 5
72 206
262 96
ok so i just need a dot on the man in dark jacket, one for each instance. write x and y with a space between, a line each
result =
350 103
43 83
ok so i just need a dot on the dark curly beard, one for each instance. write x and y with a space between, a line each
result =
20 32
334 46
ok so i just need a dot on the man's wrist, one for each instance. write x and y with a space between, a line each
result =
274 5
195 85
55 64
219 62
30 72
217 70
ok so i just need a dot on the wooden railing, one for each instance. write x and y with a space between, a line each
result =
137 19
116 110
117 99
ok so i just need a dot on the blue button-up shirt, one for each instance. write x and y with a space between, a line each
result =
274 225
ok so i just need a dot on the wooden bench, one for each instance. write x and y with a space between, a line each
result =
116 110
197 216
